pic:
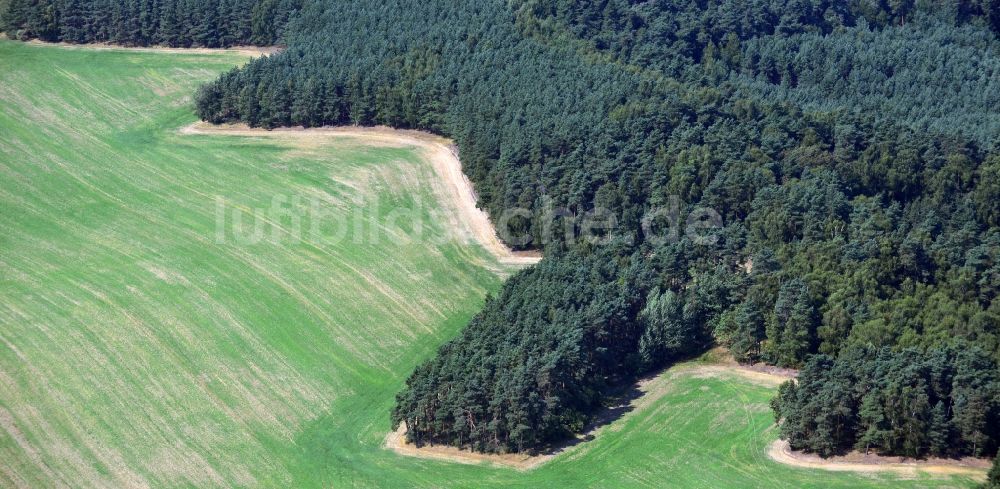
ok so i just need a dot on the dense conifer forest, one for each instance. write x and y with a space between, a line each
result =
174 23
910 402
850 149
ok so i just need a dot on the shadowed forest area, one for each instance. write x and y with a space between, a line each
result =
173 23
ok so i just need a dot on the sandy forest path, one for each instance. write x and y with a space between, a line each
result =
456 191
780 452
251 51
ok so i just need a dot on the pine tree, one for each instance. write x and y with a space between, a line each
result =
750 325
262 23
875 429
168 32
14 18
204 31
970 418
793 326
306 106
993 479
939 432
667 334
332 109
72 22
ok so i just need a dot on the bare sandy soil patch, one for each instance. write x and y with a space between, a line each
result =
457 191
396 441
780 452
719 359
768 379
253 51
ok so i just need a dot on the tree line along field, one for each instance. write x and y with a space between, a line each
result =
856 174
136 350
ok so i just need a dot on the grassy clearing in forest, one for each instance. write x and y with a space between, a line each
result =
137 348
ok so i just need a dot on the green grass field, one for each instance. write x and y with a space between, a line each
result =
138 349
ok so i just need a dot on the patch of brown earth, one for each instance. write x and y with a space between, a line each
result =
781 452
396 441
252 51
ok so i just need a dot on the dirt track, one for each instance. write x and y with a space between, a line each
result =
780 452
253 51
456 191
396 441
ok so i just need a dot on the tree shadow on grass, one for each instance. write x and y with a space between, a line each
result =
619 400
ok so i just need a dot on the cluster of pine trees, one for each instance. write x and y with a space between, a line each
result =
860 212
916 63
942 402
672 35
175 23
574 327
929 75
